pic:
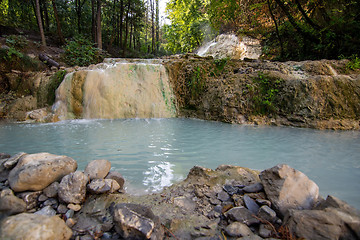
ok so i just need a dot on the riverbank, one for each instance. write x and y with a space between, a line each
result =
226 203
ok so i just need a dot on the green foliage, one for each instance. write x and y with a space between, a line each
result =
54 83
354 62
18 42
82 52
196 82
12 59
264 92
189 25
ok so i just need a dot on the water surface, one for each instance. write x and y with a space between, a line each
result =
153 153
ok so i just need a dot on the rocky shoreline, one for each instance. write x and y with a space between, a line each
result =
44 196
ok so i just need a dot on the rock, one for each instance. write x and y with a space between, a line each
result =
267 214
51 202
27 226
263 202
42 198
288 188
38 115
47 211
72 188
241 214
237 229
12 161
264 231
30 198
98 169
117 177
70 222
330 223
223 196
253 237
10 204
4 156
231 190
257 187
185 203
69 213
75 207
51 190
99 186
62 209
251 204
133 221
36 171
334 202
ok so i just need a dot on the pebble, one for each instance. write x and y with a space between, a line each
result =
267 214
237 229
251 204
74 207
264 231
62 209
223 196
69 214
42 198
257 187
51 202
230 189
47 211
263 202
70 222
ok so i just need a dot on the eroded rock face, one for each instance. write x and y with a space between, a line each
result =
288 188
36 171
98 169
30 226
10 204
72 188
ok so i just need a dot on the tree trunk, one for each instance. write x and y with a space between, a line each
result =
307 19
126 28
93 21
58 24
157 27
152 26
46 16
121 24
113 21
276 28
41 29
98 25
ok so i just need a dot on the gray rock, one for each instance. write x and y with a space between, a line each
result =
62 209
267 214
30 226
51 190
264 231
223 196
134 221
243 215
251 204
214 201
99 186
231 190
4 156
69 213
330 223
51 202
253 237
237 229
117 177
4 172
72 188
98 169
288 188
42 198
47 211
256 187
263 202
334 202
36 171
185 203
30 198
12 161
10 204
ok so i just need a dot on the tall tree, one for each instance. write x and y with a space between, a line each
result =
41 29
58 24
98 25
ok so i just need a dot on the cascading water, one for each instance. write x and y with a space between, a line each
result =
116 89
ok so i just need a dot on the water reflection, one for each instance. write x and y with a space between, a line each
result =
158 176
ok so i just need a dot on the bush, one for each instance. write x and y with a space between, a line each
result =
82 52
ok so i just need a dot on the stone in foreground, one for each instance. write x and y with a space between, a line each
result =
72 188
27 226
288 188
36 171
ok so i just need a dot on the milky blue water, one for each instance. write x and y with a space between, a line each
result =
153 153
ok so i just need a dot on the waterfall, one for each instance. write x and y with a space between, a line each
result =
116 89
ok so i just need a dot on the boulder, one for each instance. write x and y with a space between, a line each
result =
288 188
36 171
237 229
99 186
330 223
12 161
117 177
51 190
27 226
72 188
133 221
98 169
10 204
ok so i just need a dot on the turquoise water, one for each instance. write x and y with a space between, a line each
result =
153 153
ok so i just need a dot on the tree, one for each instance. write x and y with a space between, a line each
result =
41 29
98 25
58 24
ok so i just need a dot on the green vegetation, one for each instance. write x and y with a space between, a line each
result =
12 59
354 62
196 81
264 93
82 52
54 83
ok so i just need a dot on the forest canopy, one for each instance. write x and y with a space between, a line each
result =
289 29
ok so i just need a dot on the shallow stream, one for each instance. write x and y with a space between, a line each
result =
154 153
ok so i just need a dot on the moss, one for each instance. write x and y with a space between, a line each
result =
54 83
